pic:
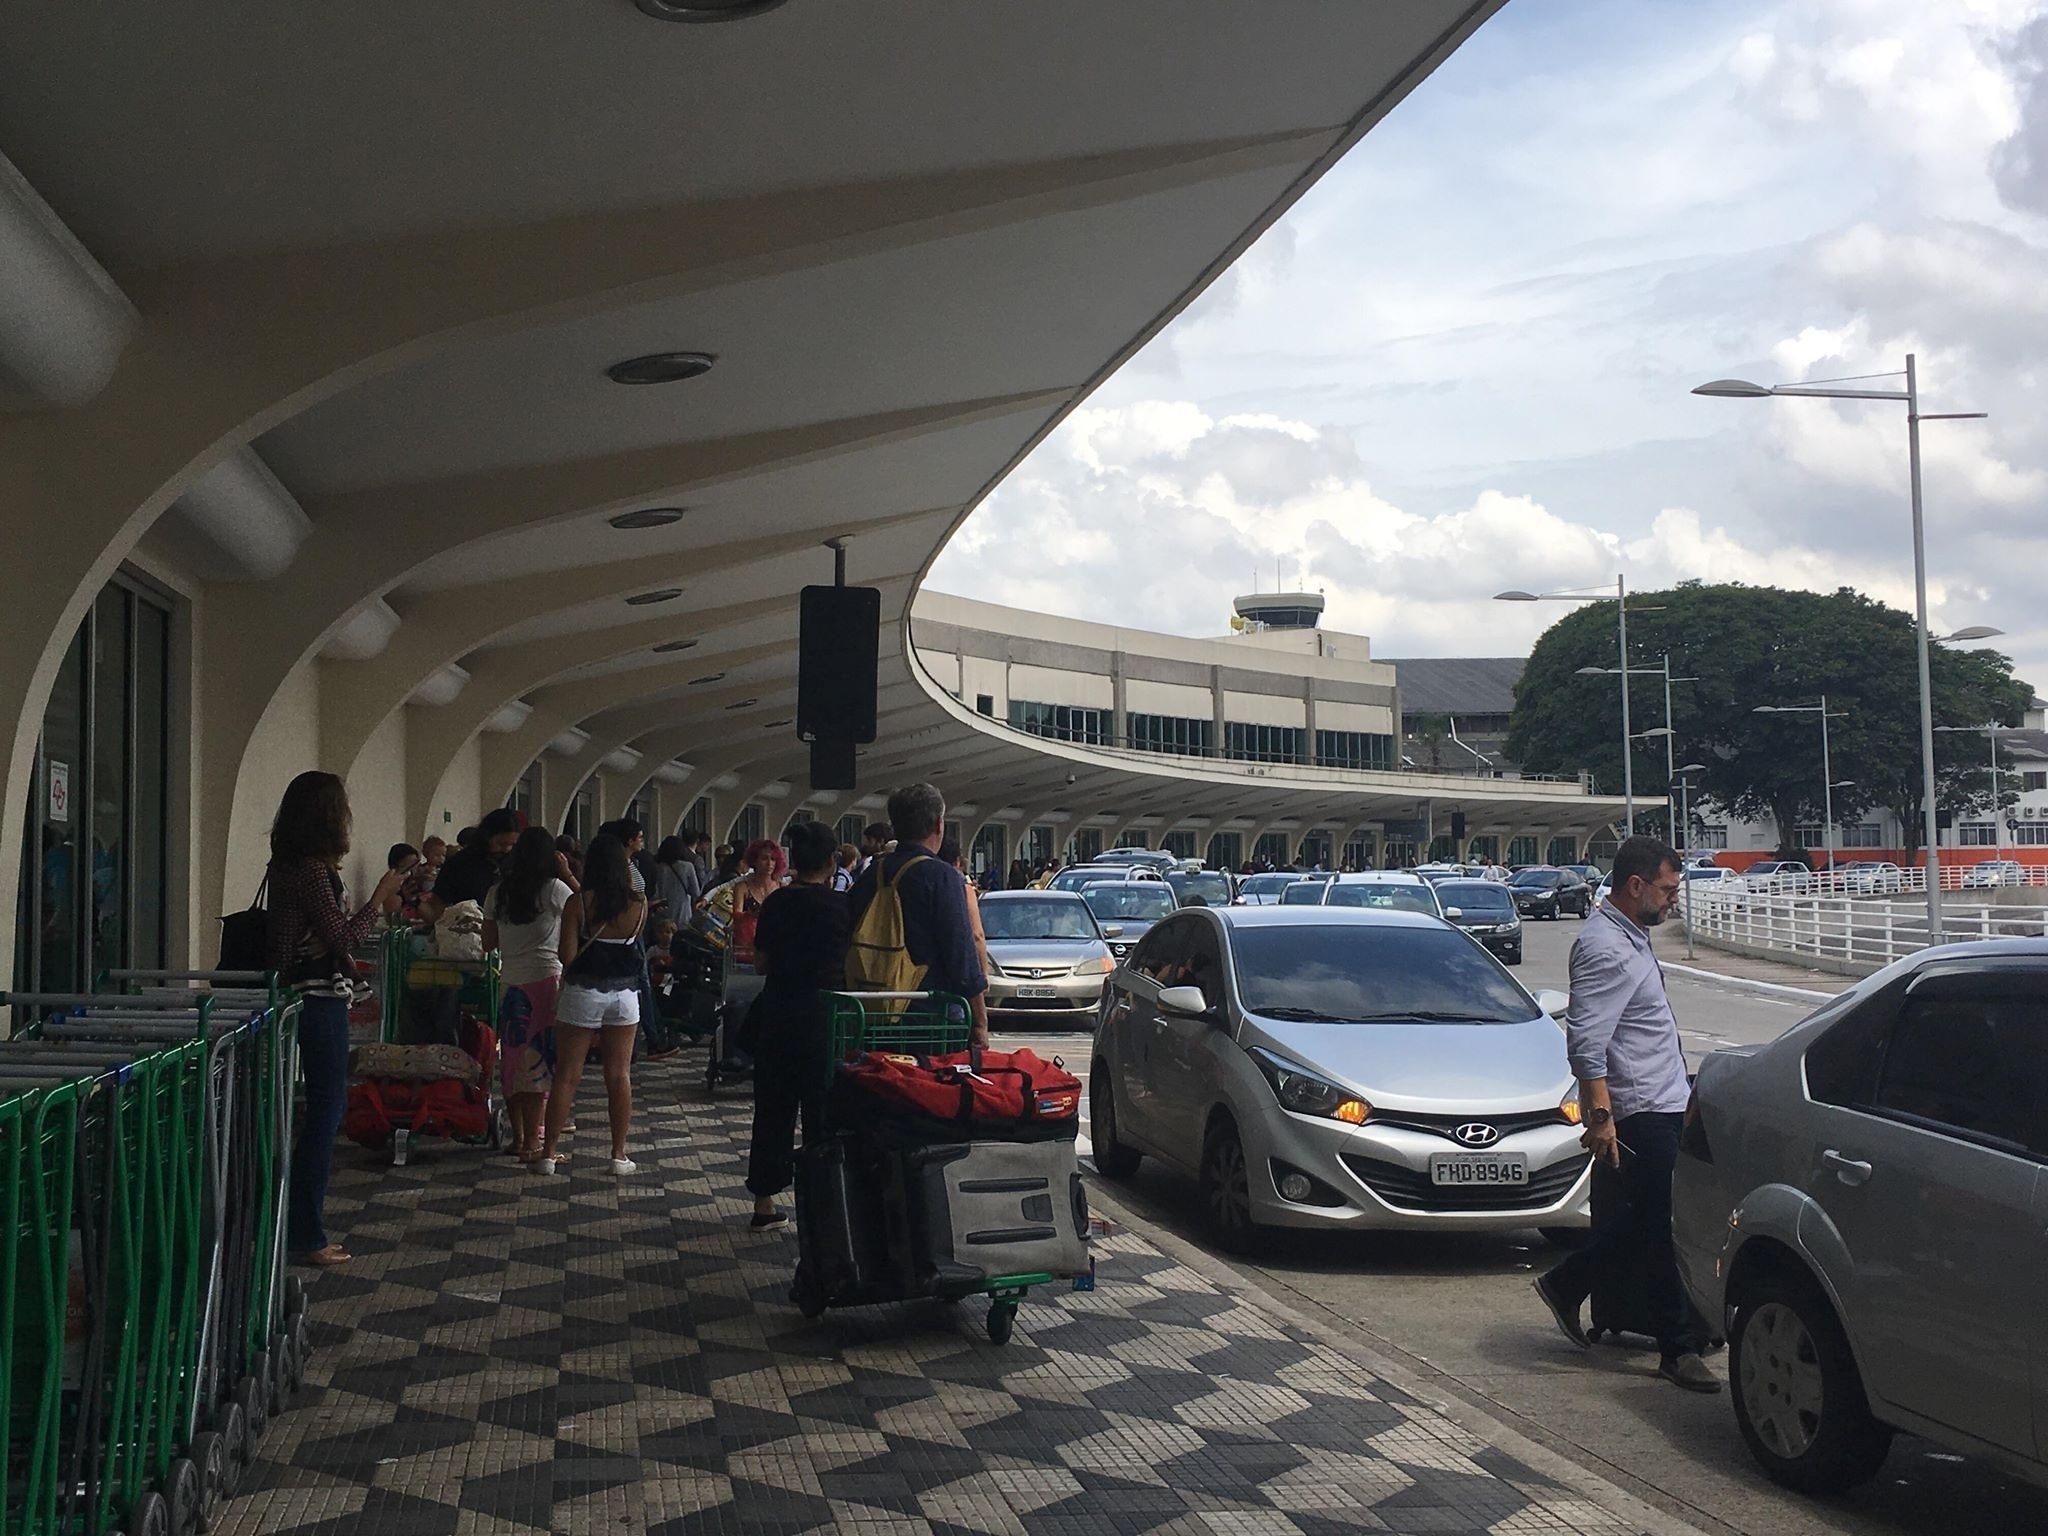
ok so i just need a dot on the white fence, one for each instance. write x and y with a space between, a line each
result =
1863 930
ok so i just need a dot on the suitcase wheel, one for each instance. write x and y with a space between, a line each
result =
809 1299
1002 1316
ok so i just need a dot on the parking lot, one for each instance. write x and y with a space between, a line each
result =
1457 1311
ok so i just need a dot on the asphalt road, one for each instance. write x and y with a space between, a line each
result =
1457 1309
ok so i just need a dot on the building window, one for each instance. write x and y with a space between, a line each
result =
1712 837
1264 743
748 827
1358 853
1562 850
1226 850
850 828
94 886
990 845
1865 834
1173 733
2034 779
1978 834
1523 850
1180 844
1271 850
1809 834
1354 749
581 822
1061 722
1087 845
984 704
526 793
2031 834
1482 848
699 818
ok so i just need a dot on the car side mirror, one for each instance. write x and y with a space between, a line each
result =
1452 914
1113 931
1553 1002
1187 1000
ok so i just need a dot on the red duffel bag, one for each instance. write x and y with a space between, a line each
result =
966 1096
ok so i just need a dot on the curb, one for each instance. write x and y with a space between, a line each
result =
1431 1391
1746 984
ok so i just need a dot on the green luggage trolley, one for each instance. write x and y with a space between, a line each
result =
914 1023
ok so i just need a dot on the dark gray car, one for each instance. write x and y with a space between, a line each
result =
1864 1199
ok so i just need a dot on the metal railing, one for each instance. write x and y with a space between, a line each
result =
1860 929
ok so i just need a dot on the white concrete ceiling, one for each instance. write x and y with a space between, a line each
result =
913 232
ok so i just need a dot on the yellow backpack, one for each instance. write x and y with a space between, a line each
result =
878 960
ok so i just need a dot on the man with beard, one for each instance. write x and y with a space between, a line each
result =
1622 1041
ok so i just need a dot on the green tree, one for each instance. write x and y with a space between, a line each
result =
1762 645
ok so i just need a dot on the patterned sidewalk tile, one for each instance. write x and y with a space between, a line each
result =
511 1355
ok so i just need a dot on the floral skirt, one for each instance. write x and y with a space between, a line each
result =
526 1036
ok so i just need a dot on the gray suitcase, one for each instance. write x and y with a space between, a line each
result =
985 1209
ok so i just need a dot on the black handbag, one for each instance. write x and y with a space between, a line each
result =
245 936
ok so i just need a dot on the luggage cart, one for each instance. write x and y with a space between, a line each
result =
739 984
925 1023
144 1146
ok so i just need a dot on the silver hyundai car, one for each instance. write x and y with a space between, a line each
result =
1047 954
1863 1200
1338 1067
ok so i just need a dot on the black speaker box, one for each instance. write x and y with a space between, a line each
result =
835 680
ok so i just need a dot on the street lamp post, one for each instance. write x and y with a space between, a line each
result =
1628 772
1670 735
1742 389
1682 779
1827 769
1997 821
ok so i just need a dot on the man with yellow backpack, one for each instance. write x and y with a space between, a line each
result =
911 929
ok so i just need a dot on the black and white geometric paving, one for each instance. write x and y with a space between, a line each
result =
511 1355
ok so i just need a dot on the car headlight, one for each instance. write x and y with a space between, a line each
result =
993 968
1307 1094
1101 965
1570 1107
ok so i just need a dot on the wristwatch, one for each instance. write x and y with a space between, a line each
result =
1599 1116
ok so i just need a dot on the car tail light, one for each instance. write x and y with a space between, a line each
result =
1692 1136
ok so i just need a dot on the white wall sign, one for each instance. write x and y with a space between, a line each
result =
60 791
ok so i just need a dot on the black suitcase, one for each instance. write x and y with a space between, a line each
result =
981 1210
852 1246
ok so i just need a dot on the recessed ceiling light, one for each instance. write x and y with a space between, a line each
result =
658 595
647 517
660 368
667 646
711 677
743 704
774 724
705 10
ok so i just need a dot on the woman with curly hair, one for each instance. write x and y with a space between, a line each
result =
523 923
740 902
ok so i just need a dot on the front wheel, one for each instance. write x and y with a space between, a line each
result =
1227 1190
1799 1399
1113 1159
1002 1317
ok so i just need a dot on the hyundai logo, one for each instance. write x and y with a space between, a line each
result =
1477 1133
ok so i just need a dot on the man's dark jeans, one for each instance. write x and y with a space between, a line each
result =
1630 1256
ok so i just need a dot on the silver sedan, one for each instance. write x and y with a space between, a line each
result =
1338 1068
1047 955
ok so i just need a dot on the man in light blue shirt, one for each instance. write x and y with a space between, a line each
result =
1622 1041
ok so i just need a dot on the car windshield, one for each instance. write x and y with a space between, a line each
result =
1477 898
1266 885
1037 919
1303 893
1144 903
1539 877
1393 896
1080 879
1355 973
1211 886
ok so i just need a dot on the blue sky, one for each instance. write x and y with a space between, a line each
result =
1463 361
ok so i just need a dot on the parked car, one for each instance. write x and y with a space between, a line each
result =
1436 872
1712 874
1869 877
1128 909
1338 1069
1486 910
1778 876
1305 891
1047 954
1155 858
1590 873
1548 892
1395 890
1212 885
1264 890
1994 872
1077 877
1863 1200
1603 890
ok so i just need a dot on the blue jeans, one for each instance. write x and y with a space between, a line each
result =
323 1057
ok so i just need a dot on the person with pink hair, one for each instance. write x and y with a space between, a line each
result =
740 903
